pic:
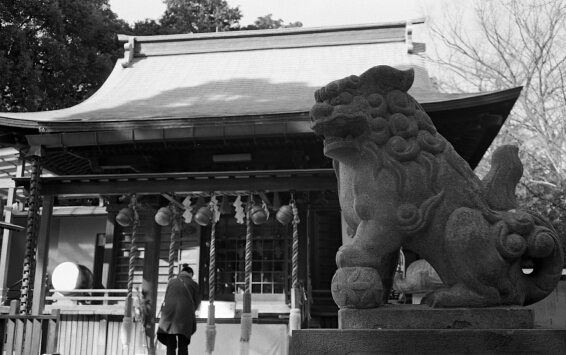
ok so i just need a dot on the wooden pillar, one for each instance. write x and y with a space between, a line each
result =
109 259
42 256
151 265
98 262
7 237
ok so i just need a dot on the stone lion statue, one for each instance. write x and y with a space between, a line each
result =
401 184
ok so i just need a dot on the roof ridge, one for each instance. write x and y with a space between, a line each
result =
269 32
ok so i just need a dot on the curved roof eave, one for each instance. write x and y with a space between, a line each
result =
431 104
499 103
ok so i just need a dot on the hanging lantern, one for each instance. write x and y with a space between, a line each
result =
258 214
125 217
163 216
203 216
285 214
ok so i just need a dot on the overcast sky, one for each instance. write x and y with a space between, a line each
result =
312 13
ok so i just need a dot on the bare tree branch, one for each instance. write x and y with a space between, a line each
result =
488 45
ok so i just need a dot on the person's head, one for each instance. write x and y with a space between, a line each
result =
186 268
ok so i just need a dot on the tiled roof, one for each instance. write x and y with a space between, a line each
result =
227 77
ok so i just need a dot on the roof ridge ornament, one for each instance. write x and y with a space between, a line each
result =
128 52
409 37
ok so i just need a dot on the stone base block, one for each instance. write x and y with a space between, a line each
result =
424 317
429 341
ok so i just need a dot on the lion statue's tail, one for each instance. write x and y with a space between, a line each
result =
527 235
547 266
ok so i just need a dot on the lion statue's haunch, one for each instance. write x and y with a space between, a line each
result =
401 184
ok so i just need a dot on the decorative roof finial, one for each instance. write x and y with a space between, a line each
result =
128 52
409 37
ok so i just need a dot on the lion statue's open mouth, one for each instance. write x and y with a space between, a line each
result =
340 129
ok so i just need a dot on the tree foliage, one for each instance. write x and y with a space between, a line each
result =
267 22
198 16
54 54
490 45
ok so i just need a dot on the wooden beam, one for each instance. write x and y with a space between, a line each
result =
120 187
8 183
119 184
42 256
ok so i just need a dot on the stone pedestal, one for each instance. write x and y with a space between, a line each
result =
415 329
424 317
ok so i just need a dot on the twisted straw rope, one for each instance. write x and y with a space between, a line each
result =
248 268
295 259
212 266
31 235
133 247
174 229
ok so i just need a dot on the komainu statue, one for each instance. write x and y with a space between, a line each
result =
401 184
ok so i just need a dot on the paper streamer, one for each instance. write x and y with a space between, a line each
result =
240 214
188 214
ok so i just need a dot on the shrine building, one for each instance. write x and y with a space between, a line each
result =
181 120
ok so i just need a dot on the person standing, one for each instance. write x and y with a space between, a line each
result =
178 321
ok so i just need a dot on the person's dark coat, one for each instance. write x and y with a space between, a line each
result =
178 311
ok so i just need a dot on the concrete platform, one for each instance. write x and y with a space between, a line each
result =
424 317
429 341
416 329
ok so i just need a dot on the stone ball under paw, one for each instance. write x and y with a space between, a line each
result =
357 287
